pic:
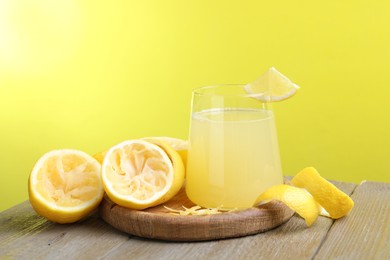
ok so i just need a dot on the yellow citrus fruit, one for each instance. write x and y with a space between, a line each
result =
334 201
295 198
100 156
179 145
272 86
65 185
139 174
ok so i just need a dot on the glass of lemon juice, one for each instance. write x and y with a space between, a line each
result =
233 153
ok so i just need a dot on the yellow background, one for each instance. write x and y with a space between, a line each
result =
89 74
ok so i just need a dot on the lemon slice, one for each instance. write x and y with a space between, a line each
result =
295 198
334 201
179 145
272 86
139 174
65 185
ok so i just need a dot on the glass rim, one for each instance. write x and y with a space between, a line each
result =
202 91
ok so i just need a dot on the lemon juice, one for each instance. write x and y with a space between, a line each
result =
233 157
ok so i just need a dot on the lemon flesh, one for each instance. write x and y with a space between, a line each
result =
334 201
65 185
178 168
179 145
139 174
272 86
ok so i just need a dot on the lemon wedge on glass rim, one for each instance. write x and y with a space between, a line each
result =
271 86
139 174
65 185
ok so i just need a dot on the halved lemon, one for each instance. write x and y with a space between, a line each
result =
139 174
295 198
272 86
100 156
65 185
179 145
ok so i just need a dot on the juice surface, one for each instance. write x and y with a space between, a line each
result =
233 157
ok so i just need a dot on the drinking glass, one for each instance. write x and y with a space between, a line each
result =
233 153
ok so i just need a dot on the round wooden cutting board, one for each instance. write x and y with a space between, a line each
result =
159 223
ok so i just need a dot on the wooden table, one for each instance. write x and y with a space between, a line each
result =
363 234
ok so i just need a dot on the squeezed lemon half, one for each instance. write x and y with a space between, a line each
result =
179 145
139 174
272 86
65 185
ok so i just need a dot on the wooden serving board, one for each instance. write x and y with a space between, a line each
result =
159 223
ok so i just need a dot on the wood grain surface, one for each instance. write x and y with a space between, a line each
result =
363 234
159 223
